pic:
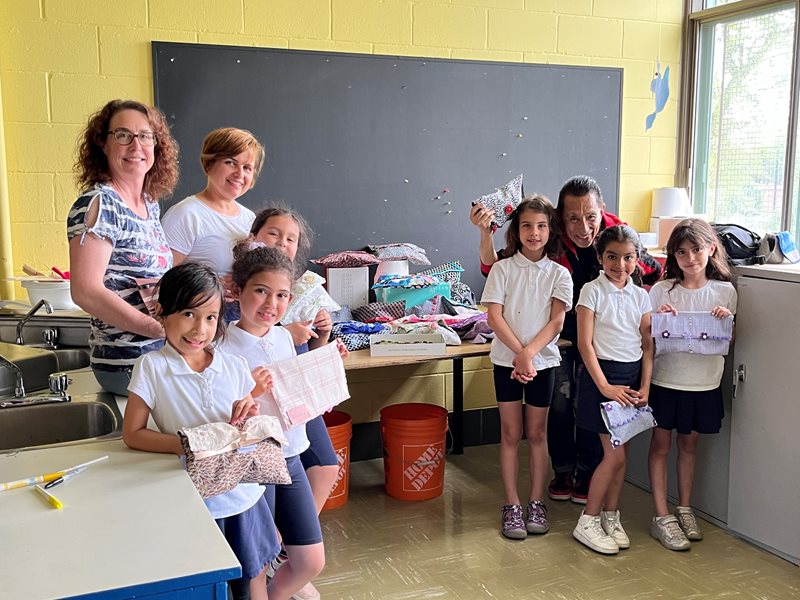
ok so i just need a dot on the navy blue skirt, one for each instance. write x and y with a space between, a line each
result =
253 537
686 411
587 414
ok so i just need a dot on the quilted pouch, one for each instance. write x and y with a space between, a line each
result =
504 201
405 251
626 422
692 332
308 298
346 259
220 456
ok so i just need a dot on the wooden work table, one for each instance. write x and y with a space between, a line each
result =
360 359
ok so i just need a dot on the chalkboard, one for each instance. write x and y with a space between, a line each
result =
382 149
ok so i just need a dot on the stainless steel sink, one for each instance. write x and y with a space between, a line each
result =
47 424
70 359
37 364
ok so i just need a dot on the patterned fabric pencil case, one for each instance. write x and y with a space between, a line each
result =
626 422
692 332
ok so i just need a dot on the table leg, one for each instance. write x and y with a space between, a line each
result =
458 406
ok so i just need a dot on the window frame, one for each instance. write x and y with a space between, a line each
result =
694 17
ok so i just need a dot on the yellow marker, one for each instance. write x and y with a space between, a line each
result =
52 500
12 485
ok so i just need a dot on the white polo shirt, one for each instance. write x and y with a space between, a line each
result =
617 317
180 397
260 352
526 290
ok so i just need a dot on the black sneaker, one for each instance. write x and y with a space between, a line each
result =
560 487
580 493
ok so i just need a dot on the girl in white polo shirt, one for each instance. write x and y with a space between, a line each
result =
527 296
187 384
262 283
617 350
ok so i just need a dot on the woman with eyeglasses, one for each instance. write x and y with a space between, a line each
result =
205 226
127 161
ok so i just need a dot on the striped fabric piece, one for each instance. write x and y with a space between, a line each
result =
139 251
450 271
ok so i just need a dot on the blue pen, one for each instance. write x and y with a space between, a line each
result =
65 477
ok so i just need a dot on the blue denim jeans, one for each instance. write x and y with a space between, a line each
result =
572 449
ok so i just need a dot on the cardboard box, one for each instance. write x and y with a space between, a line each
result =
664 226
407 344
348 286
412 296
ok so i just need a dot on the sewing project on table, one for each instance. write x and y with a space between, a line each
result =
308 385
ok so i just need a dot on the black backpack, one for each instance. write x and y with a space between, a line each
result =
741 244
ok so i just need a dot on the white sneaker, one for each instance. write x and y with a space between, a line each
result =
612 525
589 532
688 523
667 530
307 592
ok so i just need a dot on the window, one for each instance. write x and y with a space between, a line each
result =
741 167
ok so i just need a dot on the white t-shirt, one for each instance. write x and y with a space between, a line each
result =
617 317
681 370
526 290
180 397
260 352
204 235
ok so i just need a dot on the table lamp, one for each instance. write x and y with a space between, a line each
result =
669 207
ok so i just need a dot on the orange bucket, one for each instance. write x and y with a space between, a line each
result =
413 437
340 429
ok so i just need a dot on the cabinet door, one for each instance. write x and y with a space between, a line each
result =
765 423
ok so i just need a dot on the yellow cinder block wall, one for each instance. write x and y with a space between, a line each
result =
60 60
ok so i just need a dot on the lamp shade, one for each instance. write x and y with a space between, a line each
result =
670 202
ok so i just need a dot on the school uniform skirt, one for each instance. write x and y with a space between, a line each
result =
253 537
686 411
587 414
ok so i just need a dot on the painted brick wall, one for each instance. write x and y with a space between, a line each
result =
62 59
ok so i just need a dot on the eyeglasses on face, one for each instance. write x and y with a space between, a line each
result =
125 137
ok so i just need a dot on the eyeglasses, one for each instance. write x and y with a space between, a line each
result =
125 137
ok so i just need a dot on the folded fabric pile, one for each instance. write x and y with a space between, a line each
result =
455 318
355 335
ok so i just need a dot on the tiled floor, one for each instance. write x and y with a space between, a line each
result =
450 547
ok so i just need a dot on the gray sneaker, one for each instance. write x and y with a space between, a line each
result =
537 517
513 525
688 523
668 531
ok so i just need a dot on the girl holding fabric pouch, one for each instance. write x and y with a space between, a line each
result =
616 345
696 298
189 384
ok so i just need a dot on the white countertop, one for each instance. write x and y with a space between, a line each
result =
132 520
780 272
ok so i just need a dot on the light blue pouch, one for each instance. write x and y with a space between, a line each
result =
787 246
626 422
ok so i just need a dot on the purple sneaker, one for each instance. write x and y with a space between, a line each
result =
537 517
513 525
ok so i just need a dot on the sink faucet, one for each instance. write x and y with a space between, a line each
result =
47 308
19 390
